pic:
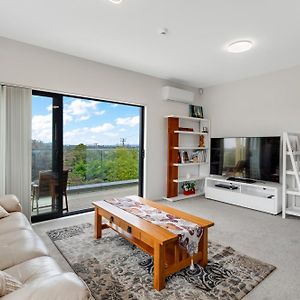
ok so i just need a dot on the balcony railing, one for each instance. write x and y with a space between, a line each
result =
90 165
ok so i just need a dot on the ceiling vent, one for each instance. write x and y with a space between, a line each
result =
179 95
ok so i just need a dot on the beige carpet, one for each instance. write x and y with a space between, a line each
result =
114 269
266 237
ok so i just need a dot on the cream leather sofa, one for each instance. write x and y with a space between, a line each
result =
24 256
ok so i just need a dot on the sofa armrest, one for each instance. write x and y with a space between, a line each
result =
58 287
10 203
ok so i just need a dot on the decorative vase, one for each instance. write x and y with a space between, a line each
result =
201 141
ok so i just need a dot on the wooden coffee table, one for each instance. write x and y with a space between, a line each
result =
160 243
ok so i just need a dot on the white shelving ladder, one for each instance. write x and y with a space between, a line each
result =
291 177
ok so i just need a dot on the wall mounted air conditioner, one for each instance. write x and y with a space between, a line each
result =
179 95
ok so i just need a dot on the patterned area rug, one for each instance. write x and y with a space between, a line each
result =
115 269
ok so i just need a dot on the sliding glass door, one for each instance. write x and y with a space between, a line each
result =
102 145
92 149
46 157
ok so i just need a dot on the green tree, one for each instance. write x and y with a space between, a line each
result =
80 153
96 171
79 161
123 166
95 165
80 170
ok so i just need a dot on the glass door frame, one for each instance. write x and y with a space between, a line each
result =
57 151
57 155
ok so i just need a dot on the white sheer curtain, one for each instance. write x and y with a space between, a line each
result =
2 138
17 157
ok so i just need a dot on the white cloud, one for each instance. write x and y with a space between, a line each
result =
42 128
80 107
102 128
100 113
111 134
130 121
83 118
67 118
91 135
73 133
80 110
114 105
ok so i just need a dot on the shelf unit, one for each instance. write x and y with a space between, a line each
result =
190 148
262 196
184 179
189 164
291 174
190 132
179 141
182 197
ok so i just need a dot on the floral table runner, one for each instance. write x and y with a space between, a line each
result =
189 233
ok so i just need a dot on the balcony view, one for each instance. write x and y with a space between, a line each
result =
100 153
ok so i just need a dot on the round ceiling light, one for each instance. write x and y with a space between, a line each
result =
116 1
239 46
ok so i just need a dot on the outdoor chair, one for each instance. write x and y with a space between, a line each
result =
46 186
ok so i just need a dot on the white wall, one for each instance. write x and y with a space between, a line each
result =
259 106
264 105
39 68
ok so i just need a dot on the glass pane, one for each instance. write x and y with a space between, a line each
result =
44 179
101 150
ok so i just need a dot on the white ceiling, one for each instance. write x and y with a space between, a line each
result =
193 52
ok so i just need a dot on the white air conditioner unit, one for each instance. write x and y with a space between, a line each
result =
179 95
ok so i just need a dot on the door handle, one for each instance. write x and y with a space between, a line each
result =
129 229
111 219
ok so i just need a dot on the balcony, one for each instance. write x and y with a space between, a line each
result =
89 174
81 197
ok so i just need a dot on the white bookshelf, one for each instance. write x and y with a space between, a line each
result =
184 179
181 197
191 132
190 148
188 141
291 174
189 164
188 118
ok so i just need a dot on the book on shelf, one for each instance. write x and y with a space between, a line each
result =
185 129
199 156
184 157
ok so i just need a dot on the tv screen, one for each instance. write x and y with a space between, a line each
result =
246 157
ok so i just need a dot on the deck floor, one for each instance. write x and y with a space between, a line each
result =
83 199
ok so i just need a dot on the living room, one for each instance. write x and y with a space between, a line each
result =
125 54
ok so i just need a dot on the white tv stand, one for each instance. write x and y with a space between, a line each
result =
262 196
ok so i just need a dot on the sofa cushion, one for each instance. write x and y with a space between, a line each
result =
42 278
34 269
57 287
3 212
18 246
8 284
10 203
15 221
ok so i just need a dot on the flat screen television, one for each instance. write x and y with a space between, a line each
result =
246 157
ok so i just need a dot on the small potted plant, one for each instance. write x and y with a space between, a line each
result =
188 188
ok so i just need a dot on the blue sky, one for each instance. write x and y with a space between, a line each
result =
87 121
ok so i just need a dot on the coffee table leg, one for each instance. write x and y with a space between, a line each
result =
98 224
203 247
159 263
